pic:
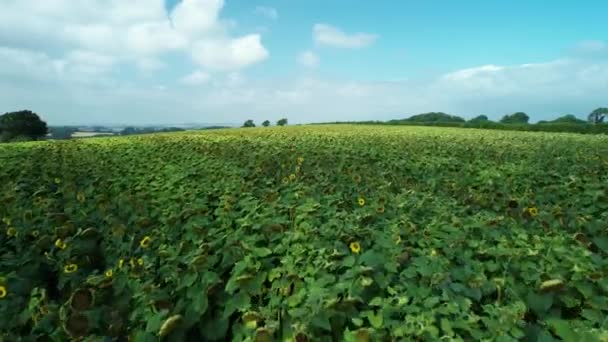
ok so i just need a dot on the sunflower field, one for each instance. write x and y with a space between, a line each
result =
308 233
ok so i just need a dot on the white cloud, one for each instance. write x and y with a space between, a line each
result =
324 34
149 64
268 12
308 59
196 78
140 32
229 55
195 17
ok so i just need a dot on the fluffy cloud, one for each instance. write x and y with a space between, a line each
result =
268 12
543 90
140 32
324 34
225 55
196 78
308 59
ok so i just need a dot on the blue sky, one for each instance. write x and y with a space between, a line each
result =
214 61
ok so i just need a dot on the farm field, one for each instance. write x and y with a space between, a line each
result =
308 233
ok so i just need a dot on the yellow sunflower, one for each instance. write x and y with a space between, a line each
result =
11 232
140 262
355 247
60 244
361 201
70 268
3 291
533 211
109 273
145 242
292 177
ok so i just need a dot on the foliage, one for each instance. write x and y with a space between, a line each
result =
432 117
317 233
282 122
515 118
479 118
21 125
569 118
249 123
62 132
598 116
266 123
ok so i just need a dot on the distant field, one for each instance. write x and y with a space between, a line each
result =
88 134
312 233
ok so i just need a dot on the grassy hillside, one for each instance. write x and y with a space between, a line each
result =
314 232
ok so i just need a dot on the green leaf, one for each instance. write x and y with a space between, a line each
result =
321 320
601 243
375 319
540 304
562 329
349 261
262 252
155 321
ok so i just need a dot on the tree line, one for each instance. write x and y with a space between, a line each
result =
266 123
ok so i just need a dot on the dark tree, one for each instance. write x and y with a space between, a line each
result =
479 118
568 118
515 118
22 124
434 117
63 132
266 123
598 115
282 122
249 123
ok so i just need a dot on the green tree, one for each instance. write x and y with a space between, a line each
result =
22 125
249 123
282 122
568 118
515 118
63 132
480 118
598 115
434 117
266 123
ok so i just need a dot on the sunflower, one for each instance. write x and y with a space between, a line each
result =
80 197
3 291
70 268
109 273
35 233
292 177
11 232
361 201
60 244
380 210
356 178
57 180
300 160
355 247
285 180
140 262
145 242
533 211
